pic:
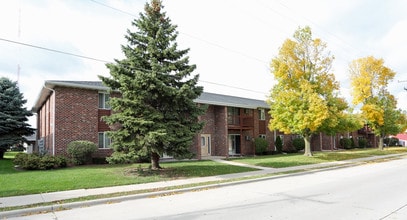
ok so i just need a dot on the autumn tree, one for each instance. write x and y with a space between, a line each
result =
13 115
305 99
369 80
156 113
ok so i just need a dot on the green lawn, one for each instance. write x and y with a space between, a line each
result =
289 160
18 182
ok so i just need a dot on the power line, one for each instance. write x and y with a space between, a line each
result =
323 29
233 87
116 9
104 61
53 50
191 36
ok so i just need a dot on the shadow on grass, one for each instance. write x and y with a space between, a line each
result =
7 166
177 170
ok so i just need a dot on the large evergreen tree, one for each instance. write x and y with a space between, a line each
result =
13 116
155 113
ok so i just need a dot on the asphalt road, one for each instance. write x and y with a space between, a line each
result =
371 191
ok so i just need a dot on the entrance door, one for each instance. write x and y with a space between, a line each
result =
234 144
205 144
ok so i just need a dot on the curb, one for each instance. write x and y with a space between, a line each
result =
256 178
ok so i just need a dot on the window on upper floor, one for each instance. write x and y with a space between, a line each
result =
233 116
104 101
262 114
104 140
248 111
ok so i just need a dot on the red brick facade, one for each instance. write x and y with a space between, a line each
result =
249 126
77 117
68 112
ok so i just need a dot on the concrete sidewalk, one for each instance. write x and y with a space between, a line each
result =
159 187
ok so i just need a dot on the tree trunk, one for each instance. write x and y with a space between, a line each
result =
2 153
380 143
155 161
307 149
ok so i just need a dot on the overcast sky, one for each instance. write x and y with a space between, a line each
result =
231 41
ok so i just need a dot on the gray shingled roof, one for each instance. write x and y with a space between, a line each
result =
232 101
205 98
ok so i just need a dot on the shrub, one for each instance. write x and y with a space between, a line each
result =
299 143
20 158
260 145
32 162
279 144
37 162
362 143
346 143
81 151
47 162
61 161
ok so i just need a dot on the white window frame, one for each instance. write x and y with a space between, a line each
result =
106 142
262 114
103 99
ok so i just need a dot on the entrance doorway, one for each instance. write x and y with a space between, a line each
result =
205 144
234 144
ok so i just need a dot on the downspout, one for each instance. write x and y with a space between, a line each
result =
53 121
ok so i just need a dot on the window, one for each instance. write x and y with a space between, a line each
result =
233 116
104 101
104 140
262 114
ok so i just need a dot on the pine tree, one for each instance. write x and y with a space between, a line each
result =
13 116
155 113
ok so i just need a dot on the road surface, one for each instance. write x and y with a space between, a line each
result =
370 191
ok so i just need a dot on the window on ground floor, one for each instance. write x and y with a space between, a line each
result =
104 140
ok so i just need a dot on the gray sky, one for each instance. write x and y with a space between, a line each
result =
232 41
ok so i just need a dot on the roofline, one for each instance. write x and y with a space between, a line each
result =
49 85
52 84
231 104
48 89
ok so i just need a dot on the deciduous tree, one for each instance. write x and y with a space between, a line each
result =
304 100
369 80
13 115
156 113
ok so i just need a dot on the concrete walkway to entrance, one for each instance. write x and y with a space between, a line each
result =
242 164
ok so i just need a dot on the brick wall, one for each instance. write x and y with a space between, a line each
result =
45 125
221 131
76 114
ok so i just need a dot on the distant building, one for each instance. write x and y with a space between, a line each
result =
402 139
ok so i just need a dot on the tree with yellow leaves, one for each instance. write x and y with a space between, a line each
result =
304 101
369 80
